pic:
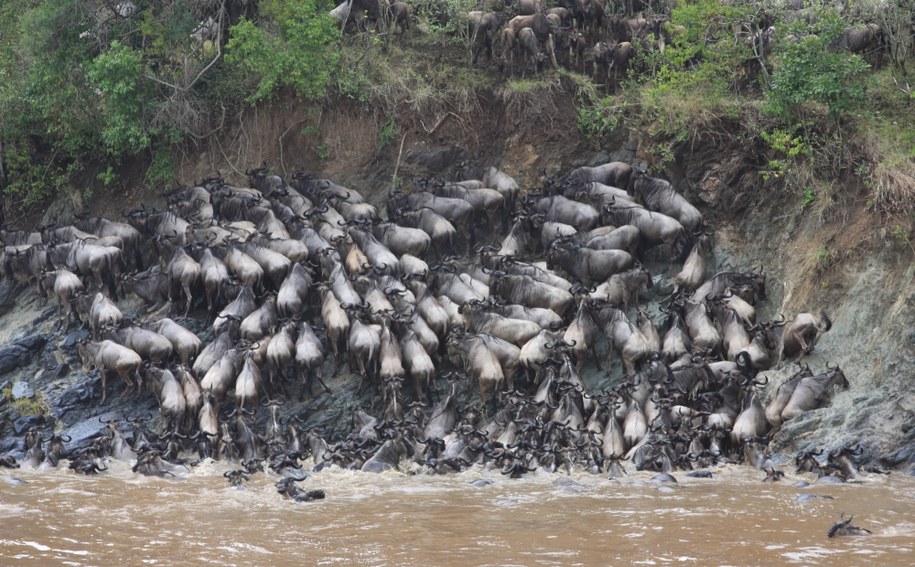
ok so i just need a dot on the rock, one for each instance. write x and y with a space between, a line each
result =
22 424
10 445
69 342
21 352
79 392
86 429
599 159
709 189
45 315
22 390
905 454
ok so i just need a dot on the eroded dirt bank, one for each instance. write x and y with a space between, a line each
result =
839 260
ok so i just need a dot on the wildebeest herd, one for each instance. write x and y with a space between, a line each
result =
608 40
289 281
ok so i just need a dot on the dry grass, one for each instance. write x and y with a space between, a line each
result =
894 186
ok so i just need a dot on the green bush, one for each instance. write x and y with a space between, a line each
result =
599 118
388 132
83 89
808 70
297 49
117 77
691 83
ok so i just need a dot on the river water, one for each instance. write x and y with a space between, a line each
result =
59 518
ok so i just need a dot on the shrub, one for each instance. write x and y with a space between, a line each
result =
808 70
117 76
294 47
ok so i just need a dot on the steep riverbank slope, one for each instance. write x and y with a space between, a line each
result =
835 253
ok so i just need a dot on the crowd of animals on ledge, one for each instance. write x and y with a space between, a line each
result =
521 36
470 311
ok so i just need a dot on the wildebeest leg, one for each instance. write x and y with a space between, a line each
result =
360 368
594 356
628 367
334 365
112 285
805 348
306 380
551 49
187 294
471 238
101 373
320 380
139 387
417 385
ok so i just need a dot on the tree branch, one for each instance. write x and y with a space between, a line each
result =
189 86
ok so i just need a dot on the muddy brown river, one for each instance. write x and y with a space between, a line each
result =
59 518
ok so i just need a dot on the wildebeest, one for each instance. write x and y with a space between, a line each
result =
656 228
588 265
813 391
615 174
626 338
659 195
783 396
108 355
692 274
864 39
400 15
103 263
799 336
476 355
481 28
844 528
526 44
150 345
619 56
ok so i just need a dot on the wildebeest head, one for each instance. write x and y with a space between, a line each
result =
844 528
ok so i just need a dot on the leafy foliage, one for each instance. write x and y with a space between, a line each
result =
695 75
117 75
598 118
85 85
809 70
792 146
43 96
704 51
296 51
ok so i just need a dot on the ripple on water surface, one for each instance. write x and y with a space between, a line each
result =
57 517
